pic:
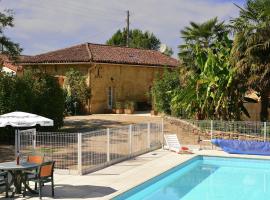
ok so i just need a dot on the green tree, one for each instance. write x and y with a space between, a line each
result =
251 49
199 35
137 39
7 46
163 88
36 93
7 85
77 91
48 98
212 93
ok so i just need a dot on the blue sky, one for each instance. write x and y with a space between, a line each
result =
45 25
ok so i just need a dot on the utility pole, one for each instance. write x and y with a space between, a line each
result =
127 44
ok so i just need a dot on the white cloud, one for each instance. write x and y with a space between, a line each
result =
46 25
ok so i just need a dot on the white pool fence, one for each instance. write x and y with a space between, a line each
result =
81 153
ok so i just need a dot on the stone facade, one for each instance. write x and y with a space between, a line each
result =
120 82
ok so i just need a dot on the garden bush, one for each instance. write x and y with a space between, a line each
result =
35 93
77 92
163 89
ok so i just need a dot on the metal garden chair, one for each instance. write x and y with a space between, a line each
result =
44 175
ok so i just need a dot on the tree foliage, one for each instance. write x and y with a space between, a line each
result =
34 93
163 88
251 49
77 91
209 87
6 45
199 35
213 93
137 39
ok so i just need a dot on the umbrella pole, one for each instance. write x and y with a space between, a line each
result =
16 143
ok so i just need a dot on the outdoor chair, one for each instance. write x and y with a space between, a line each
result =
4 181
36 158
172 143
44 175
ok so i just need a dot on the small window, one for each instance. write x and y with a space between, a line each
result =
98 72
110 97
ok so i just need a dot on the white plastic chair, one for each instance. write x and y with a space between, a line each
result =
172 142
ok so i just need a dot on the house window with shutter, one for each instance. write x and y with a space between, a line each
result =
98 72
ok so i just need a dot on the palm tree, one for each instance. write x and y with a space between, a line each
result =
212 93
202 35
251 49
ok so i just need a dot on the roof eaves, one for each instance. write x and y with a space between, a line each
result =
54 63
136 64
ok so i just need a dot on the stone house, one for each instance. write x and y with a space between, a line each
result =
8 66
113 73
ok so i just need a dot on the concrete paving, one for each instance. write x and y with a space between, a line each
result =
111 181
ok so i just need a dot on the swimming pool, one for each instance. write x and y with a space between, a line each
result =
208 178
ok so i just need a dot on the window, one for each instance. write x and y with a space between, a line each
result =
98 72
110 98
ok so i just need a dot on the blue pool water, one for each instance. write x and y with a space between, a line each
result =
208 178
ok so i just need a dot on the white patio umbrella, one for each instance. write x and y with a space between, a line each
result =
23 119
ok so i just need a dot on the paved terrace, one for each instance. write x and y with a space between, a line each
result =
113 180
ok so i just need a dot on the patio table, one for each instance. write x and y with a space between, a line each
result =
16 172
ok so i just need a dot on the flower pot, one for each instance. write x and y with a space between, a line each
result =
129 111
119 111
154 112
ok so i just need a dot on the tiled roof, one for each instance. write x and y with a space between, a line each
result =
9 64
99 53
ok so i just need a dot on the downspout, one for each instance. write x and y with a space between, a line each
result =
89 77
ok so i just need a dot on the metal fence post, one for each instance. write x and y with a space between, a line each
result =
148 135
130 139
80 153
108 145
264 131
16 143
211 132
162 131
34 138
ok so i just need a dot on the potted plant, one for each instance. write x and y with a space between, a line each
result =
119 107
154 112
129 107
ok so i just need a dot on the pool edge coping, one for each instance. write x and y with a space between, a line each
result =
182 162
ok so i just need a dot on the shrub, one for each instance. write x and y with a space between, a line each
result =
162 90
119 105
130 105
49 98
35 93
77 92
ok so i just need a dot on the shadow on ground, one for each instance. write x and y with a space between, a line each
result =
6 153
85 125
75 192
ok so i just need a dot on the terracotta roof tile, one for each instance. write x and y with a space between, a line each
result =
99 53
10 64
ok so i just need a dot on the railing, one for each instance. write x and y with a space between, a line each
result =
81 153
210 129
